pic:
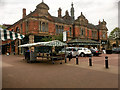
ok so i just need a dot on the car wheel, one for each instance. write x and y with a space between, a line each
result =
82 54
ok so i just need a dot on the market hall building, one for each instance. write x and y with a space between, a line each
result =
40 23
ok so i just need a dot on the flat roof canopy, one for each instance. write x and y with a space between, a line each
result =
83 42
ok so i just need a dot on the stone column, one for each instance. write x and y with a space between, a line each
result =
16 46
31 40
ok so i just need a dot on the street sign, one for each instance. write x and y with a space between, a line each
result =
64 36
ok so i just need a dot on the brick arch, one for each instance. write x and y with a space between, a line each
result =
17 29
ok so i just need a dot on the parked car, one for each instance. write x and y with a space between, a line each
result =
116 50
82 51
70 50
95 52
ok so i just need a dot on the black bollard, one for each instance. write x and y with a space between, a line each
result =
77 59
90 60
65 59
106 62
69 57
61 62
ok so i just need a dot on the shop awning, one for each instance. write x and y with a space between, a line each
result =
6 35
83 42
49 43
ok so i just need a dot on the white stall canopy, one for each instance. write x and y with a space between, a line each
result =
49 43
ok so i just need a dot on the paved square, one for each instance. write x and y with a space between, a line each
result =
43 74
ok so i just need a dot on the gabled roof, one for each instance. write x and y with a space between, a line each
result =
91 26
61 20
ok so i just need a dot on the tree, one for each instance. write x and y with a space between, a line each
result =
108 45
2 26
45 39
58 37
55 37
115 34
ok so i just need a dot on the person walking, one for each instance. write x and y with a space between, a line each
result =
103 50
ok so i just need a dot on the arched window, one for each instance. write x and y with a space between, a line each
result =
43 27
70 31
46 27
88 33
56 29
17 29
27 26
93 34
40 26
82 32
104 35
59 30
21 28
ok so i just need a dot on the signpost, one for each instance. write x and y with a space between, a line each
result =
65 39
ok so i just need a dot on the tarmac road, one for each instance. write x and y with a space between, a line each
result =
19 74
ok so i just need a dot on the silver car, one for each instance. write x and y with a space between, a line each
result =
70 50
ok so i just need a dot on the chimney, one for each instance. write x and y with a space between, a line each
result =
99 22
24 12
59 12
66 13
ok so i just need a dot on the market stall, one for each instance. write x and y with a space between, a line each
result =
52 57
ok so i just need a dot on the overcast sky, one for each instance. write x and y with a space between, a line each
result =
94 10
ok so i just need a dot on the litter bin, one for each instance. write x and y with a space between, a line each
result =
33 56
30 56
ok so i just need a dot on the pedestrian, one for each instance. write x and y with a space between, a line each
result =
96 49
28 50
8 54
103 50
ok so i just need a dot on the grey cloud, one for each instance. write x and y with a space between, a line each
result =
2 3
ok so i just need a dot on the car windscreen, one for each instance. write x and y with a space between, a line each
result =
71 49
86 49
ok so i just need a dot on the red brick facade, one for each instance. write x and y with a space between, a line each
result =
41 23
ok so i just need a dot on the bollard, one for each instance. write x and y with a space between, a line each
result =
90 60
106 62
61 62
77 59
65 59
14 53
69 57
